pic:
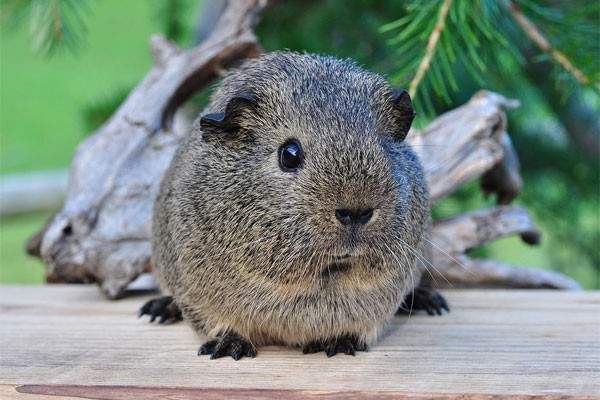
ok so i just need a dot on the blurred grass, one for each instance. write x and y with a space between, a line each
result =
41 99
513 251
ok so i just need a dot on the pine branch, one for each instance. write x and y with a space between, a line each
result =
533 33
439 41
54 24
431 46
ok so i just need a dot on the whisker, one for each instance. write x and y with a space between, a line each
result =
425 262
391 252
447 255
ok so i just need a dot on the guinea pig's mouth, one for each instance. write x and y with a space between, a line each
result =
336 267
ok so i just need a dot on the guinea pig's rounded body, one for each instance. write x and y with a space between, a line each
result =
294 211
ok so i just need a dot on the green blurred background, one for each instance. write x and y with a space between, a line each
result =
49 103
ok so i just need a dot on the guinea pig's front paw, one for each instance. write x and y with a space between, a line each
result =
163 307
427 299
228 344
347 344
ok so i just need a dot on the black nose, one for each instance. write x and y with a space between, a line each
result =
347 217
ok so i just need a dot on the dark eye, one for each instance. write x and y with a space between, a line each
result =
291 156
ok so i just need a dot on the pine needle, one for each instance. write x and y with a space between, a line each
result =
431 46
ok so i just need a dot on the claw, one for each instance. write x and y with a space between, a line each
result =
250 351
350 350
445 304
163 308
228 345
207 348
312 347
425 299
236 353
348 344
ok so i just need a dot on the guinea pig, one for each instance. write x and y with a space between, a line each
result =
294 212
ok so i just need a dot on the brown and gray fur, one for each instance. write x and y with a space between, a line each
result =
244 247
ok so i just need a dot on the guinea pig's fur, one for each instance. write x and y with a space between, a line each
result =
250 250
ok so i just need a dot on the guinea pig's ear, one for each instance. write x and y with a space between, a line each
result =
231 119
404 113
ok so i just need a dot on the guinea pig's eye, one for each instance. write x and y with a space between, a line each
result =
291 156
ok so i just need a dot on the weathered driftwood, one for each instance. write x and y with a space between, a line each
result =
504 179
102 233
459 146
30 192
463 144
452 238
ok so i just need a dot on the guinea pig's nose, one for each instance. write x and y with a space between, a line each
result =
357 216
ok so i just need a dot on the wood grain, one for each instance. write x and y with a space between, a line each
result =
68 341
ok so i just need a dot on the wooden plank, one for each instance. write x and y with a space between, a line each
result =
69 341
